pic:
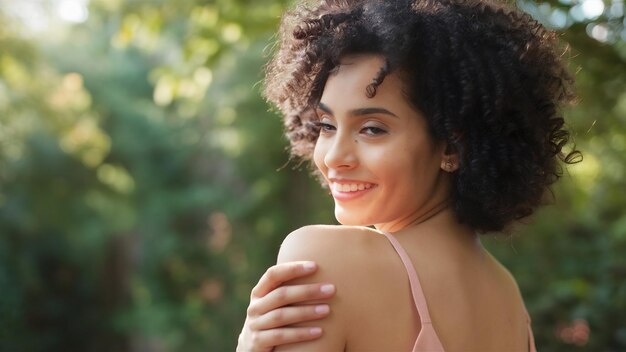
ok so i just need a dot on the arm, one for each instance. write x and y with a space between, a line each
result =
268 313
311 243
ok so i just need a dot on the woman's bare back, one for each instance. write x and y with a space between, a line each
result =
474 302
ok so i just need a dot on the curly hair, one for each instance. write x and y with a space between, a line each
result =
489 80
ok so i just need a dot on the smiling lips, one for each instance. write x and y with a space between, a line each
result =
349 190
350 187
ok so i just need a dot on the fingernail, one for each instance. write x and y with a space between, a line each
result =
322 309
315 331
328 288
308 266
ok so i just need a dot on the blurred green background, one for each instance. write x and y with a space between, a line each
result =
144 184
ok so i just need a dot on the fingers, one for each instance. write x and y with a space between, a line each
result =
277 337
270 310
281 273
286 295
290 315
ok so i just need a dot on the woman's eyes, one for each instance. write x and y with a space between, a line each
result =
325 127
367 130
373 130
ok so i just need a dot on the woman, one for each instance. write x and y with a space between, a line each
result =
433 121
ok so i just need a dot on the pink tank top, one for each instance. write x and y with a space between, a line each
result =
427 339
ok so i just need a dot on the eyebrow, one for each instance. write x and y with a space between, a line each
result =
359 112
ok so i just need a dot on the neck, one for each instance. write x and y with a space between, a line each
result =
415 219
440 230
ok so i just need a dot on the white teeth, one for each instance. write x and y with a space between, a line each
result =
351 187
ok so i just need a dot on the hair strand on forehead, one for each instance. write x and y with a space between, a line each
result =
370 90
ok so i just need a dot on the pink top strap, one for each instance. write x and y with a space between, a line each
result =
427 340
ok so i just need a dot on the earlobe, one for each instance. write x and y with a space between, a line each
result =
450 158
449 164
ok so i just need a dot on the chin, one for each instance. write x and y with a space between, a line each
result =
350 219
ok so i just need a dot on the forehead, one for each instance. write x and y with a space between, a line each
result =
353 67
348 82
371 61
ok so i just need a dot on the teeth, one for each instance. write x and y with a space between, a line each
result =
351 187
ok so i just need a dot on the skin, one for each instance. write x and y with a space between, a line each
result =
269 313
382 142
381 145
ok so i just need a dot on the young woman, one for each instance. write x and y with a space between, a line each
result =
432 121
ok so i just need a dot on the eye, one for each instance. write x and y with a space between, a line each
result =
324 126
373 130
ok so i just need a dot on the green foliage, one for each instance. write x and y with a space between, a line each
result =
144 185
569 261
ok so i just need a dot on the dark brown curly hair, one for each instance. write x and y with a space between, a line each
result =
488 78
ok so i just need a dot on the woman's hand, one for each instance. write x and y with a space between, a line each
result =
269 312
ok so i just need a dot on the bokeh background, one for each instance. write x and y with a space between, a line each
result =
145 186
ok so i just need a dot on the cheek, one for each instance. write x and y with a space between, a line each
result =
318 156
411 168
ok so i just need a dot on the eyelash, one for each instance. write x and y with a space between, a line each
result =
323 127
372 130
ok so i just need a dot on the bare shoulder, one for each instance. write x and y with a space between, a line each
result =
506 279
326 243
333 249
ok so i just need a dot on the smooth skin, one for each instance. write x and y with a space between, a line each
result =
382 145
269 313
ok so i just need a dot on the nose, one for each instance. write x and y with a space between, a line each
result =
341 152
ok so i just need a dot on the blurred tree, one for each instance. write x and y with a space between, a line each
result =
569 261
147 137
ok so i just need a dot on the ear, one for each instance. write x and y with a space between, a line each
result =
450 159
